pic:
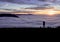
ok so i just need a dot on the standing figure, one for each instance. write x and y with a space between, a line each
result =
43 24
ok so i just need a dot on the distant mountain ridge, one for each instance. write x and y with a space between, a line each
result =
8 15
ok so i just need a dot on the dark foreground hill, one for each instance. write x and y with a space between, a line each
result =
24 29
8 15
30 29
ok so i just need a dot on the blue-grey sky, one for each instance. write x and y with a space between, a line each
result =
21 5
25 3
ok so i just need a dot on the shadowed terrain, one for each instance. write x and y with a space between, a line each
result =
8 15
41 29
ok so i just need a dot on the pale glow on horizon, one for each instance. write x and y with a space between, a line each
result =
50 11
44 12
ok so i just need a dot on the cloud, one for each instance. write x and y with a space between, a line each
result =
7 0
39 7
42 0
30 2
3 4
38 4
25 1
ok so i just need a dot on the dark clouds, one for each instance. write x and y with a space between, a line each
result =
42 0
38 8
7 0
26 1
21 1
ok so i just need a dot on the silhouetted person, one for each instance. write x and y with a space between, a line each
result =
43 24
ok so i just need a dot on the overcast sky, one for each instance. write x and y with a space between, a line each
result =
21 5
